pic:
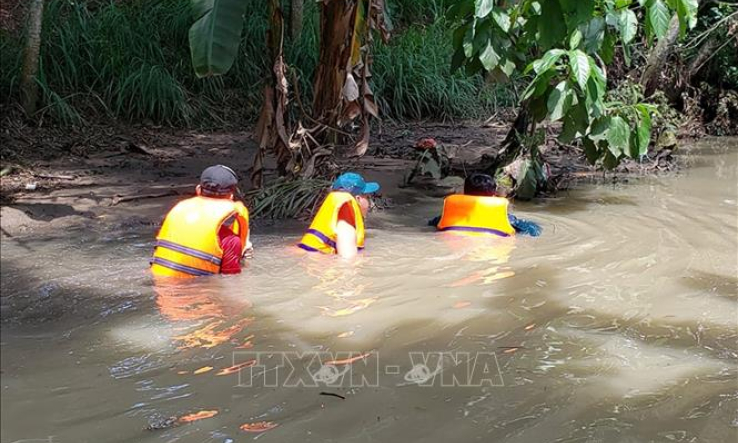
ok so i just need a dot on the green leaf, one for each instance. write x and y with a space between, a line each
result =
468 43
593 33
643 132
482 36
579 64
576 39
687 12
658 18
610 161
502 19
527 181
626 55
575 124
559 101
473 66
508 67
458 60
459 10
628 25
548 60
489 57
458 36
538 109
552 28
539 85
599 129
590 151
608 48
618 136
594 98
577 12
215 35
482 8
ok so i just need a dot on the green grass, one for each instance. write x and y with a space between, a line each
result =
130 61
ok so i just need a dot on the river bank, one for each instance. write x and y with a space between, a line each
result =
117 176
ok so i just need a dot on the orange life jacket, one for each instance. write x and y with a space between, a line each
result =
187 244
321 236
476 216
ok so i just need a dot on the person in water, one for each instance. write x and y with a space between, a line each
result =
480 211
206 234
338 227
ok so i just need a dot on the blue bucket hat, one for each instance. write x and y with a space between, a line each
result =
354 183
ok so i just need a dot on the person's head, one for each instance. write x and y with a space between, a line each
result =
355 184
481 185
217 182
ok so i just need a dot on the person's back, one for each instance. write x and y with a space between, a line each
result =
338 226
206 234
479 211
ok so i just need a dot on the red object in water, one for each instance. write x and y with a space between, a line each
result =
231 245
426 143
261 426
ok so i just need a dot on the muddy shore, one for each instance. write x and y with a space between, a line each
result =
115 177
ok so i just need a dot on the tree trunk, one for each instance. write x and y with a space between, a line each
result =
28 85
273 128
657 57
296 14
336 31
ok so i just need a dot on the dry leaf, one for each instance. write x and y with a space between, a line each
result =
203 370
200 415
261 426
347 361
350 88
236 368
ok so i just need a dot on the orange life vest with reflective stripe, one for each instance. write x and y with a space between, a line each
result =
476 216
321 236
187 244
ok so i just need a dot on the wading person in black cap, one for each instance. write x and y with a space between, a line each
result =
206 234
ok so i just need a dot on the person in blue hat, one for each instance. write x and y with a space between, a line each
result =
338 226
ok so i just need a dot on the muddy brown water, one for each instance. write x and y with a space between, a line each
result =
619 324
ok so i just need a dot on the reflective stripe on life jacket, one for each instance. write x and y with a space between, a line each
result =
321 237
187 244
476 216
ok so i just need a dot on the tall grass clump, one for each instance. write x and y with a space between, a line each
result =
131 61
413 79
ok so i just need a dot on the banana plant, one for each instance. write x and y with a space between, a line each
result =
341 85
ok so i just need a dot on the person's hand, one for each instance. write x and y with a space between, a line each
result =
249 252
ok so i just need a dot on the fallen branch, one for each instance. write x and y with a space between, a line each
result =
55 177
127 198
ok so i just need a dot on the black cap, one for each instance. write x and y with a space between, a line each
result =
219 180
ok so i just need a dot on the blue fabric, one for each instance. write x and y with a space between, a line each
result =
521 226
354 183
524 226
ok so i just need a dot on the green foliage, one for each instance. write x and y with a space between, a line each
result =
408 12
412 79
131 61
563 47
288 198
215 35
